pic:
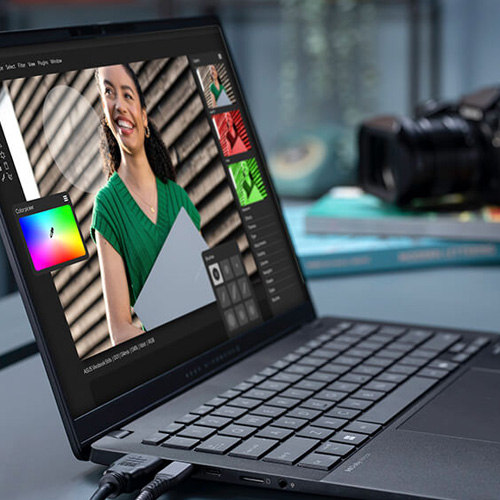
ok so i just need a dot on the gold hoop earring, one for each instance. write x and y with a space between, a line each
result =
147 132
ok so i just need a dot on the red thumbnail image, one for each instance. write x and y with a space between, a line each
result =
233 136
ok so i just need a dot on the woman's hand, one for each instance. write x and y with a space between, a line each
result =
115 288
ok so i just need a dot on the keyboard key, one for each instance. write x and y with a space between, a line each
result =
315 432
403 369
320 462
269 411
331 395
325 353
229 412
291 358
181 443
272 385
155 439
330 422
402 347
216 402
244 403
413 361
290 451
256 379
291 378
283 402
357 378
335 368
202 410
280 364
369 395
363 329
356 404
279 433
296 393
241 431
347 360
432 373
253 448
173 427
318 404
338 449
346 387
189 418
344 413
394 378
312 361
389 354
268 372
442 364
377 385
362 427
300 369
305 413
381 362
229 394
290 423
398 400
324 377
196 432
243 386
259 394
460 357
349 437
213 421
218 444
368 370
393 331
254 421
441 341
310 385
416 336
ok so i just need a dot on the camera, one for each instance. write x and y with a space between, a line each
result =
449 148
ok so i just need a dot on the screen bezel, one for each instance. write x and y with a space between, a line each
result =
84 430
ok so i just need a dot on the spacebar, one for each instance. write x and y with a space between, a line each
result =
398 400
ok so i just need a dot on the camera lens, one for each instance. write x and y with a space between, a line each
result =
403 159
216 274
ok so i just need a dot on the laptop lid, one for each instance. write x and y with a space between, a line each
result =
74 103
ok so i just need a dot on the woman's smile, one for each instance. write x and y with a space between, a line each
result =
124 125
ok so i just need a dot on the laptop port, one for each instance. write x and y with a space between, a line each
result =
251 479
212 472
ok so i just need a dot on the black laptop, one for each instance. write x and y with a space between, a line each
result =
121 143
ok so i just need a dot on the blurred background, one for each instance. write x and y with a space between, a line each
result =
317 65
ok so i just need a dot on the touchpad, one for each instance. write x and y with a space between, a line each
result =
468 408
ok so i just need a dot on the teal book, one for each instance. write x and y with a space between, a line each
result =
330 255
348 211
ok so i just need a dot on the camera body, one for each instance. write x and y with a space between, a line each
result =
448 149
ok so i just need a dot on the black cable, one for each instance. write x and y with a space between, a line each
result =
103 492
127 474
165 480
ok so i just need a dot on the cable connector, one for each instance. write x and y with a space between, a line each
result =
127 474
166 479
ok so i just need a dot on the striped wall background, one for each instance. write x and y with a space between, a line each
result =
175 107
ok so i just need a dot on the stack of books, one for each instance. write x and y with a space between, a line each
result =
350 232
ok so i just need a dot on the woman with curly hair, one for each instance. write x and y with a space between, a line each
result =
135 210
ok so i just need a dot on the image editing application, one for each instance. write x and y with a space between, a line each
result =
207 262
52 235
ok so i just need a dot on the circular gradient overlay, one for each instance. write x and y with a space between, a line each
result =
71 128
52 237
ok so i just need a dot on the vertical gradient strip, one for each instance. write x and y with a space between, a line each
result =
52 237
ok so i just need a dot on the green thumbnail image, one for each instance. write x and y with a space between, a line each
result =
248 181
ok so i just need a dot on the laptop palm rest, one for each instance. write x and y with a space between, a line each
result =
468 408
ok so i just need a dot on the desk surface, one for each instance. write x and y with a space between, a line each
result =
36 461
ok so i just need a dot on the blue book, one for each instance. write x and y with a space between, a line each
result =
328 255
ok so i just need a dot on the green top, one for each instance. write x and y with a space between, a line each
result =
129 230
216 91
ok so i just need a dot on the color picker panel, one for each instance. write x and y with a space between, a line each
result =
52 237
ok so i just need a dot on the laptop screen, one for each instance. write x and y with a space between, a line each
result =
145 229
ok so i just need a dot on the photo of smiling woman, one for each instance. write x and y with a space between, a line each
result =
135 210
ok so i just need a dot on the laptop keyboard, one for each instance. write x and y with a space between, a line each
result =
317 405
